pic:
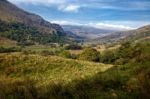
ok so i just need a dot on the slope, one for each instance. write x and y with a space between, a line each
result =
50 68
9 12
133 35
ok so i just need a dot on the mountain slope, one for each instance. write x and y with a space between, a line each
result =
27 28
9 13
86 31
132 35
27 35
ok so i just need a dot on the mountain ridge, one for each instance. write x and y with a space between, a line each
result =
87 32
132 35
10 12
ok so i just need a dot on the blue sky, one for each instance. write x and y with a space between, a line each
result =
109 14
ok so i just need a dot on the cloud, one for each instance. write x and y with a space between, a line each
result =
62 5
101 25
65 22
40 1
70 8
111 25
119 5
74 5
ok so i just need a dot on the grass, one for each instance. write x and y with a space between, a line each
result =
7 42
39 48
34 76
43 77
119 82
49 68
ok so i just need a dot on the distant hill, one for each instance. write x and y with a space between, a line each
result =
24 27
117 37
87 32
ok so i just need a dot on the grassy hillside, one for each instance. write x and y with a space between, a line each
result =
50 68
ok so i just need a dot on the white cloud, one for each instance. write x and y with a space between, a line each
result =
70 8
74 5
57 2
64 22
111 25
62 5
38 1
101 4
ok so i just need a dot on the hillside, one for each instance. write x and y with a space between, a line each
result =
87 32
9 12
27 28
133 35
27 35
50 68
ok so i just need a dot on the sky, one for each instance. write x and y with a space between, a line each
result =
106 14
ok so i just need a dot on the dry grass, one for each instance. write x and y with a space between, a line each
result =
48 68
6 42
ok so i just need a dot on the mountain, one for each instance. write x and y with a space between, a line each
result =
31 27
142 33
86 32
10 13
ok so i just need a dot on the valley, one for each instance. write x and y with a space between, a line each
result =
44 60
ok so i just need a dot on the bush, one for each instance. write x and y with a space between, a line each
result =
89 54
18 89
108 57
73 47
26 52
46 52
9 49
65 54
144 79
126 53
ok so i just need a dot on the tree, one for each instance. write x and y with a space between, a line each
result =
108 56
89 54
65 54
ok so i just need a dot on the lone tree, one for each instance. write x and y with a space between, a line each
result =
89 54
65 54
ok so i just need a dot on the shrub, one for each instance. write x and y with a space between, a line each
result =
26 52
65 54
89 54
108 57
144 79
46 52
9 49
18 89
73 47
